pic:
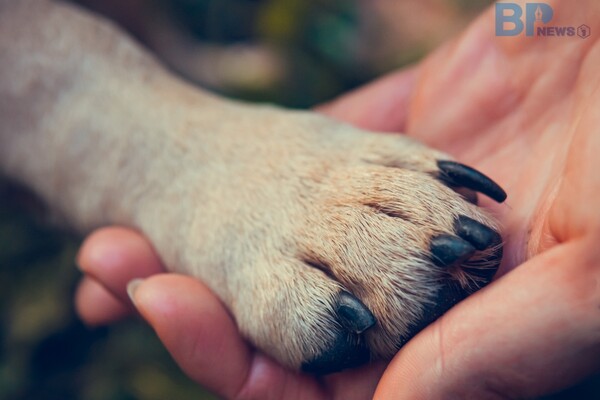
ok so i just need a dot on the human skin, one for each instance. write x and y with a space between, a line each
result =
525 111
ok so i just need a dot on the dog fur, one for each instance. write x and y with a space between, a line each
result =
277 211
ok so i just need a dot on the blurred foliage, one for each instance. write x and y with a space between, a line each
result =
45 352
327 46
315 38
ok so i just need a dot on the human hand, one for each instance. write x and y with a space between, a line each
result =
525 112
493 103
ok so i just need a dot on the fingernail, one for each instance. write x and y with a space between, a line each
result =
132 287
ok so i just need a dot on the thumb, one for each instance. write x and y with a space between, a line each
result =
205 342
195 328
533 332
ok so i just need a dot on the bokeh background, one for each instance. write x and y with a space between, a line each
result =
292 52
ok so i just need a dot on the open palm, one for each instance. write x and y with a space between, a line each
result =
525 111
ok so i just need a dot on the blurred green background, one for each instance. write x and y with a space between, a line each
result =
291 52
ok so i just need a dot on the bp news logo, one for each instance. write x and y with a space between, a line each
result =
512 19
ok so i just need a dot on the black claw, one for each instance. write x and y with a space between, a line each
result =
346 351
353 314
457 174
450 250
482 237
476 233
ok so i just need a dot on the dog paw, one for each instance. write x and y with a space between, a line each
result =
406 245
343 244
374 241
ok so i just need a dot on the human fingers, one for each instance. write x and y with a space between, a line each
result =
204 340
96 305
533 332
113 256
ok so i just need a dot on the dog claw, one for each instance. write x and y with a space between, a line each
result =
449 250
476 233
457 174
347 351
353 314
482 237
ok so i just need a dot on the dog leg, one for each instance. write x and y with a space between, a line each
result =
330 245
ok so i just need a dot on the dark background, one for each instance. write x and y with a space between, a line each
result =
292 52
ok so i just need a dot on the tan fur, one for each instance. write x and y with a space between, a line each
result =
247 198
